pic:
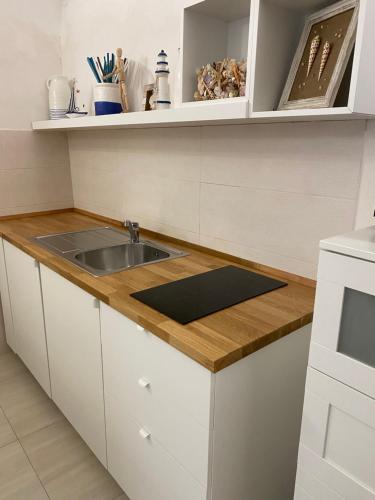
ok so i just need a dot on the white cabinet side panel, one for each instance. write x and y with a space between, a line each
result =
362 99
257 418
5 301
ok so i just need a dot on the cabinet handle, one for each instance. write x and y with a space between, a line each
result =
144 434
96 303
36 264
144 383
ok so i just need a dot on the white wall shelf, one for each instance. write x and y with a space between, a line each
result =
190 117
267 33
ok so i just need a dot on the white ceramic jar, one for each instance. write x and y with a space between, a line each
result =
59 92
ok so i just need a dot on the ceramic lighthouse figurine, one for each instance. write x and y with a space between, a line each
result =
163 100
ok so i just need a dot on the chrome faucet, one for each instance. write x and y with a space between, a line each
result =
133 228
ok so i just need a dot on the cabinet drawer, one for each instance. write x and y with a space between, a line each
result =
130 352
151 382
310 488
343 334
142 467
338 437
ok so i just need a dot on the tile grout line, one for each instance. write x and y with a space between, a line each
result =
26 455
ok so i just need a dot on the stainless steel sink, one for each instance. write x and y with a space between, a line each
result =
120 257
105 250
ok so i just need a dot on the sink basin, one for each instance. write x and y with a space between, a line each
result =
105 250
121 256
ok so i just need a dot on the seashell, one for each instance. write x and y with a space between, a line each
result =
314 47
324 59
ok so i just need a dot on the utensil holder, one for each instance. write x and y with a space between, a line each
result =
107 99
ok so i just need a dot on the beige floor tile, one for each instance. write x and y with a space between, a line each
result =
123 497
10 366
26 405
18 481
6 434
66 466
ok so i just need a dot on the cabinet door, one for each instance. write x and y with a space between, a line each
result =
343 337
27 311
338 437
74 348
5 301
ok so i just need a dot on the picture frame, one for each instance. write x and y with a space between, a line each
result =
309 90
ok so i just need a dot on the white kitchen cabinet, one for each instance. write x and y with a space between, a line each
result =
338 437
176 431
5 301
27 312
74 348
343 337
337 447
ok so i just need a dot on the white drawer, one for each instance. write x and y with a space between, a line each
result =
338 437
310 488
343 335
142 467
160 387
176 379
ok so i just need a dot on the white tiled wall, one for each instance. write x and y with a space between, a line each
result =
264 192
34 172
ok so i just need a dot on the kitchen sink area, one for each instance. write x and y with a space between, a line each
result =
105 250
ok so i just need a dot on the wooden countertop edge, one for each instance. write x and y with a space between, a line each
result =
90 285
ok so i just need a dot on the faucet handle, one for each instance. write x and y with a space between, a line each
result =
129 223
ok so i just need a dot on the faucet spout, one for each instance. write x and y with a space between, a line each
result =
133 228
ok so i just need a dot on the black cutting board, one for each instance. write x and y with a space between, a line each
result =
192 298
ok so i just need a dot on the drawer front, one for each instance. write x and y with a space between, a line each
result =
140 464
338 437
176 379
343 335
152 382
310 488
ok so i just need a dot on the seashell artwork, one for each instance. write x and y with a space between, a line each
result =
314 47
324 59
221 80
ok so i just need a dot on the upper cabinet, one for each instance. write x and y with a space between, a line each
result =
213 30
277 33
267 34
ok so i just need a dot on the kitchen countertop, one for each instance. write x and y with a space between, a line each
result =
215 341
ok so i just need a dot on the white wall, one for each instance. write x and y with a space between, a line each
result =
34 168
268 193
29 54
141 28
366 204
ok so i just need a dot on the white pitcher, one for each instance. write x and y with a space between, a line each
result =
59 92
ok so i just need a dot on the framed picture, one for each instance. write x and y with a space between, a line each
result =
322 57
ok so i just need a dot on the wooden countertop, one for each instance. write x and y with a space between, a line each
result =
215 341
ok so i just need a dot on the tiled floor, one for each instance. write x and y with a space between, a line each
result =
41 455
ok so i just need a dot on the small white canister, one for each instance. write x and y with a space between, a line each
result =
107 99
59 93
